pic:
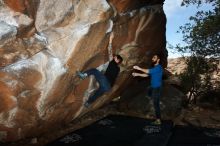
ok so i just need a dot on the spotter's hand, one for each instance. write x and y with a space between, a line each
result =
136 67
134 74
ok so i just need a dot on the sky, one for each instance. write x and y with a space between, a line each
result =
177 16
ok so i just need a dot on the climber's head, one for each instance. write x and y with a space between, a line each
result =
156 59
118 59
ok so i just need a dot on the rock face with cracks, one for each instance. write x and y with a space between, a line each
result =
44 42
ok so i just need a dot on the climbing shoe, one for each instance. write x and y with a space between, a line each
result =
81 75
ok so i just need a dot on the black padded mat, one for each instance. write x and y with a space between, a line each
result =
131 131
194 136
119 131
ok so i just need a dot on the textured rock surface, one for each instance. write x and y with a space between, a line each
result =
7 32
134 100
45 42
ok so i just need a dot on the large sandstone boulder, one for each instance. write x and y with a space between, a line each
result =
43 44
135 101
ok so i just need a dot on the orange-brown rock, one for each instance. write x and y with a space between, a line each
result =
28 7
38 84
19 49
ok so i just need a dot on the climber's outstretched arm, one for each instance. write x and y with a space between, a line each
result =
139 74
146 71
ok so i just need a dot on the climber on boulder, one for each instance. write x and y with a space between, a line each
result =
105 80
105 74
154 90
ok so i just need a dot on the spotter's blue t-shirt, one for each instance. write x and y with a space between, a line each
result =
156 74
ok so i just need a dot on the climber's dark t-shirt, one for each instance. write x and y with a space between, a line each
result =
112 71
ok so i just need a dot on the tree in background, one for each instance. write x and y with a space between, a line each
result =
202 38
196 78
202 34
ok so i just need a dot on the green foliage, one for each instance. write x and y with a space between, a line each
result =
196 2
202 38
202 34
195 79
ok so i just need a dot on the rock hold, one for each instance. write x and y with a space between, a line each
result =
7 33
